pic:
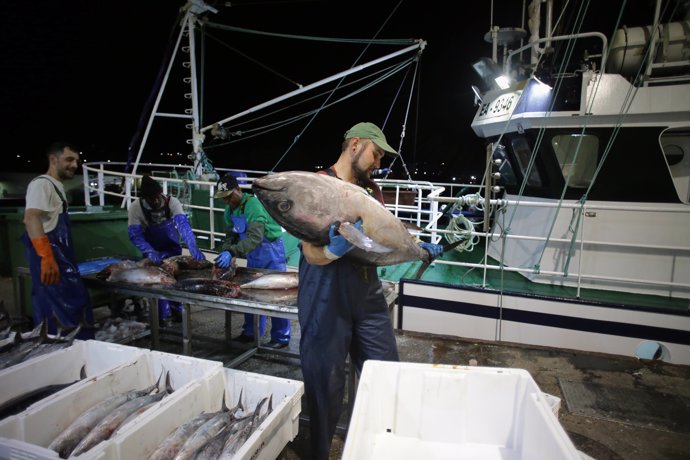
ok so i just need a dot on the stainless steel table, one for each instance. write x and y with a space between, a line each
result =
276 303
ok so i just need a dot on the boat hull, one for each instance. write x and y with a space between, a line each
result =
490 315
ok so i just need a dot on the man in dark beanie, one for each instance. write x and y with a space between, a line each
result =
156 223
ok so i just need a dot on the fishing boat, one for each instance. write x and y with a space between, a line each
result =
575 238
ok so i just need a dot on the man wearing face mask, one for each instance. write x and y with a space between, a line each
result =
57 288
156 223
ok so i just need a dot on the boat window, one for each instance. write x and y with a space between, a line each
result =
523 153
676 146
506 169
577 156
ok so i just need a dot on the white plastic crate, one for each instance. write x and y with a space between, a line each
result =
412 411
45 420
144 435
63 366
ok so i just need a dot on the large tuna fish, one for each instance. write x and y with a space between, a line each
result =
141 275
307 203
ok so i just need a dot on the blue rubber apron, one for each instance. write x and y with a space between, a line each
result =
68 301
164 238
269 255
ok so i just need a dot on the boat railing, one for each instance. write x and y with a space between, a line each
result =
421 203
604 46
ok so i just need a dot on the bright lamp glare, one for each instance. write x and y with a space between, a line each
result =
503 82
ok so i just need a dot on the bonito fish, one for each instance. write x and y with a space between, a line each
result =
111 422
287 280
172 444
306 204
141 275
208 430
66 441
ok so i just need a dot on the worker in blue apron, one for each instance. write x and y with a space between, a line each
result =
341 306
58 293
255 235
156 223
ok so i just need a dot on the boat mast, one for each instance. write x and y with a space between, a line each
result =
192 9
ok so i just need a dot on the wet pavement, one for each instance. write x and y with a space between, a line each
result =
611 407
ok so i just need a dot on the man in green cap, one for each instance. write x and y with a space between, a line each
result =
341 306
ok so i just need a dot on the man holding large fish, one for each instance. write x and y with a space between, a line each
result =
345 233
155 224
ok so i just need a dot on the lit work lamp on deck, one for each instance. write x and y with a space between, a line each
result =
491 74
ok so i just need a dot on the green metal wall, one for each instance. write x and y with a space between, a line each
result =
96 234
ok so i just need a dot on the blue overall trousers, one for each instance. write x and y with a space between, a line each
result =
269 255
68 301
165 239
341 310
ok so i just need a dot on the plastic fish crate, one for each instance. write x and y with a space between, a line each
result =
143 436
64 367
412 411
34 429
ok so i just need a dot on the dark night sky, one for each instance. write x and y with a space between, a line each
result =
82 70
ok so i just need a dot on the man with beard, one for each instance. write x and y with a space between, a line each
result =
341 304
57 288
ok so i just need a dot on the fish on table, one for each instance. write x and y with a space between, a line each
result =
306 204
218 288
175 264
141 275
282 280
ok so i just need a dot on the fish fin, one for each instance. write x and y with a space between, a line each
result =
158 382
359 239
421 270
168 385
448 247
240 405
426 264
410 227
223 406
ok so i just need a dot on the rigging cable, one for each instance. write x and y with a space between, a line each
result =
279 124
296 138
407 113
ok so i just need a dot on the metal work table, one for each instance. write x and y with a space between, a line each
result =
277 303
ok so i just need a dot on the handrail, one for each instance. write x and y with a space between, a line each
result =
426 213
604 47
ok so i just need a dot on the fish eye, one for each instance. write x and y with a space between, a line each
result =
284 206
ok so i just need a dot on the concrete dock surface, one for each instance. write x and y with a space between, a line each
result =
611 407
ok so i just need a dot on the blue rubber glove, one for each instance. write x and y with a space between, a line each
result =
434 250
338 246
154 257
136 236
197 254
223 260
187 235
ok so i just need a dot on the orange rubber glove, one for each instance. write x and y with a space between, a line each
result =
50 272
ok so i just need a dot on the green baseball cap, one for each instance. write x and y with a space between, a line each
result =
366 130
